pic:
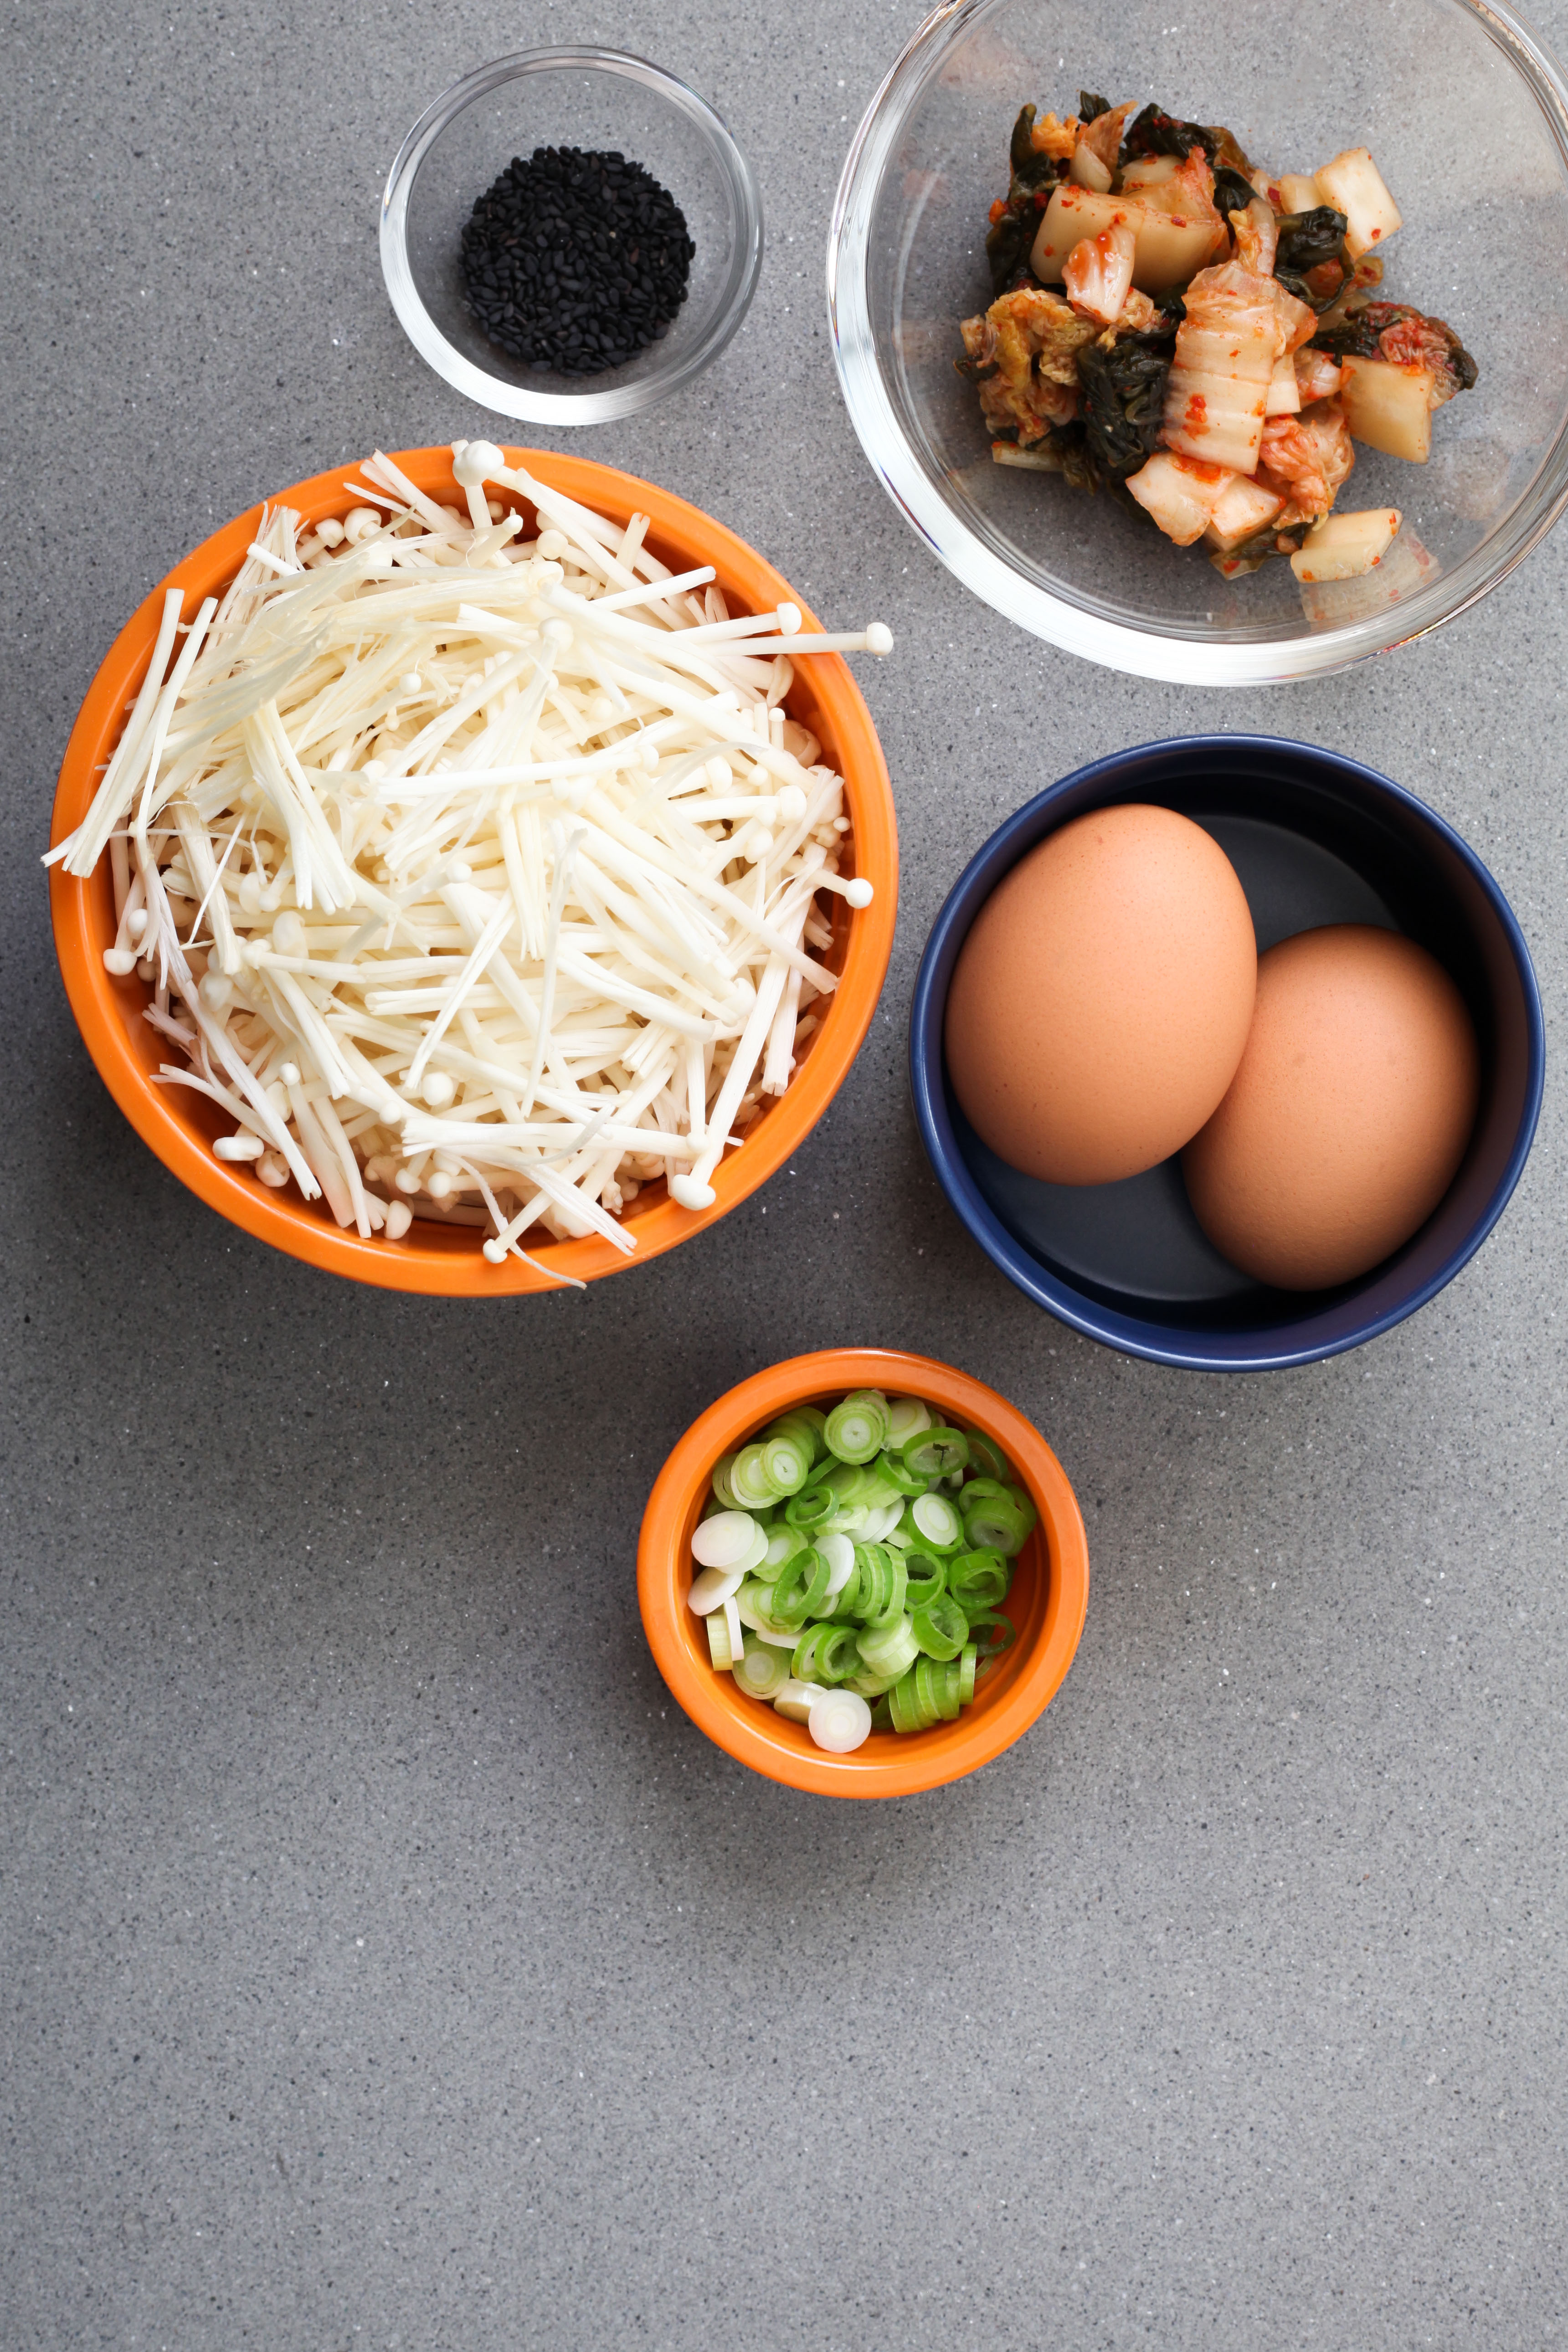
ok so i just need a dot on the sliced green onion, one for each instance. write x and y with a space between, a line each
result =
712 1589
839 1721
870 1686
986 1457
724 1540
908 1709
991 1634
810 1507
882 1523
896 1471
751 1602
905 1415
786 1457
804 1423
860 1486
799 1589
859 1427
930 1687
890 1649
848 1573
751 1479
936 1453
979 1578
827 1654
935 1522
795 1698
879 1597
839 1553
761 1669
996 1517
720 1483
942 1628
928 1576
784 1543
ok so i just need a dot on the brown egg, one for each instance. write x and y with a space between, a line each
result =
1349 1116
1100 1005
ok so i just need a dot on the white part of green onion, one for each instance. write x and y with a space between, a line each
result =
880 1521
839 1553
936 1519
712 1589
796 1699
888 1649
724 1540
839 1720
734 1628
777 1636
722 1652
761 1672
759 1550
907 1416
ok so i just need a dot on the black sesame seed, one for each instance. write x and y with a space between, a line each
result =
575 260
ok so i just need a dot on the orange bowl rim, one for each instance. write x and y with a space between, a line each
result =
751 1732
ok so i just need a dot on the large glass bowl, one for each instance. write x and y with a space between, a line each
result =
576 97
1466 114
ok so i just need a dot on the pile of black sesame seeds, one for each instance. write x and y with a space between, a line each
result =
576 260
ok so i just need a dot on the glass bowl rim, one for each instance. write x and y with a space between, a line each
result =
495 393
1259 1350
1143 649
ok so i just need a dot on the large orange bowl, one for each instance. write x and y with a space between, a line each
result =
1046 1604
180 1125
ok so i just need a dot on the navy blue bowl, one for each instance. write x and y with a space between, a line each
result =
1315 839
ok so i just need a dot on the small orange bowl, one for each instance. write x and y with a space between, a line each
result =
181 1125
1046 1604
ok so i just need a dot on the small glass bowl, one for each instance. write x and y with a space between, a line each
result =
575 97
1468 115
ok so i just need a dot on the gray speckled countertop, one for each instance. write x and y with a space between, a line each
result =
384 1961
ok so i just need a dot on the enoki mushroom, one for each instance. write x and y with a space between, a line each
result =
478 877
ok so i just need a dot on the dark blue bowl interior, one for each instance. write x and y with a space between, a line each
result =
1315 839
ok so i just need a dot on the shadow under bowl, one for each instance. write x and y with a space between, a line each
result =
1315 838
1046 1604
572 97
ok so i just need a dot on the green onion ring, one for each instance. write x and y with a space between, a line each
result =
787 1458
896 1472
750 1478
728 1498
859 1427
932 1579
799 1589
810 1507
978 1579
936 1453
1001 1631
986 1456
941 1629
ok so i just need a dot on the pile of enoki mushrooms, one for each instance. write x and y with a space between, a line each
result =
477 877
